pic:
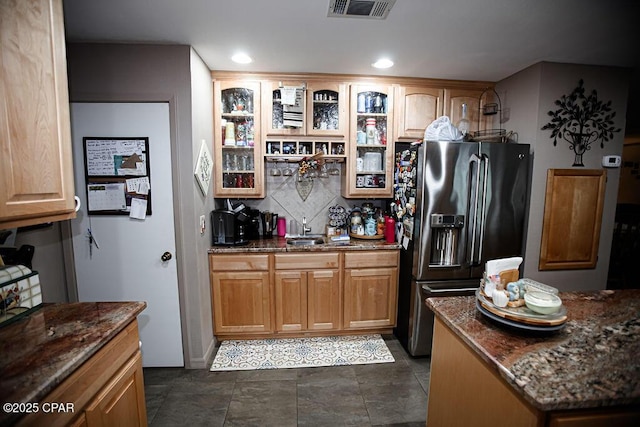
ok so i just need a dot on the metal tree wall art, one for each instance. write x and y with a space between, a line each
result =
581 120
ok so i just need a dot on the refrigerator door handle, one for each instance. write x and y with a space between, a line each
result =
485 162
474 223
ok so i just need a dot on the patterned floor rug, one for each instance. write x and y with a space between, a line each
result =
279 353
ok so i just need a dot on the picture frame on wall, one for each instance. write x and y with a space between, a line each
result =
204 168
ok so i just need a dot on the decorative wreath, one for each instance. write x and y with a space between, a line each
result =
309 163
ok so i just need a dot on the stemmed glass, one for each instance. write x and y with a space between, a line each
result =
288 171
275 170
323 171
334 170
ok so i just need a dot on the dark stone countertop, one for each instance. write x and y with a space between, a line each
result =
41 350
592 362
279 244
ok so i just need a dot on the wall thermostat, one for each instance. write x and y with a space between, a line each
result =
611 161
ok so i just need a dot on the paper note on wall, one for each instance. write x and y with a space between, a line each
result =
138 208
138 185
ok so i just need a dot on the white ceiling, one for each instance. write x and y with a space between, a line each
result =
450 39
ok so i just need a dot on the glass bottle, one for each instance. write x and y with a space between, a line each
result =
464 124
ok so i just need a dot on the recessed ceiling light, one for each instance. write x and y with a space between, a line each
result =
383 63
241 58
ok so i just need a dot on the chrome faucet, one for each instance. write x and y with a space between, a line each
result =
305 229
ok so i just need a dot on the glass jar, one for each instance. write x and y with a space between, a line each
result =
356 221
370 225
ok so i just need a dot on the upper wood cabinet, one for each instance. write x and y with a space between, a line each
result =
237 147
453 100
273 121
416 108
323 104
327 109
36 165
572 219
369 163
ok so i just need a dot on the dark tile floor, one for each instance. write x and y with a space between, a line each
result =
387 394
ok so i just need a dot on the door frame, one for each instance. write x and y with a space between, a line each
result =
65 230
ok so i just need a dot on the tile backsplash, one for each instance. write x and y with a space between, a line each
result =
282 198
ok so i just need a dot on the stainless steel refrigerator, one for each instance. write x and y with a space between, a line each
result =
463 203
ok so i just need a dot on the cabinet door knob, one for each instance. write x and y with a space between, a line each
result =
166 256
77 199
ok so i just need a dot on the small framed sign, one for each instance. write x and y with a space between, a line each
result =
204 168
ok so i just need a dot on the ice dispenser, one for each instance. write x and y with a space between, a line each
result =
445 231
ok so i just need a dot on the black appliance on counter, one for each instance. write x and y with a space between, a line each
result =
228 227
470 203
252 229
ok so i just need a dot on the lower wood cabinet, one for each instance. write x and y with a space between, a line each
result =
458 374
370 289
106 390
307 297
240 292
303 293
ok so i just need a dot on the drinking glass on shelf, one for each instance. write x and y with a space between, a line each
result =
334 170
288 171
275 170
323 171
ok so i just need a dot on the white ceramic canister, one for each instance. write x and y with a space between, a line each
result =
370 129
230 134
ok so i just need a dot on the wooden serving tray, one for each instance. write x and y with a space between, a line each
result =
520 315
526 321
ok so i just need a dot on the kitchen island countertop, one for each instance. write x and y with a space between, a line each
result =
41 350
592 362
279 244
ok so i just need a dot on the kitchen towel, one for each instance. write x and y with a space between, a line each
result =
279 353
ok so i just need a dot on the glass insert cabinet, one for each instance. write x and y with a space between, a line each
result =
323 106
238 163
327 105
369 168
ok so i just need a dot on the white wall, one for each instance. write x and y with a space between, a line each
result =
202 129
528 96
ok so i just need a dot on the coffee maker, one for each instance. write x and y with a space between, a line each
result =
227 228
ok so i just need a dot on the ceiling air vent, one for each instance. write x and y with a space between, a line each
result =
372 9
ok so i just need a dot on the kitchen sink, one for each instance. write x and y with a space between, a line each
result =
305 240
